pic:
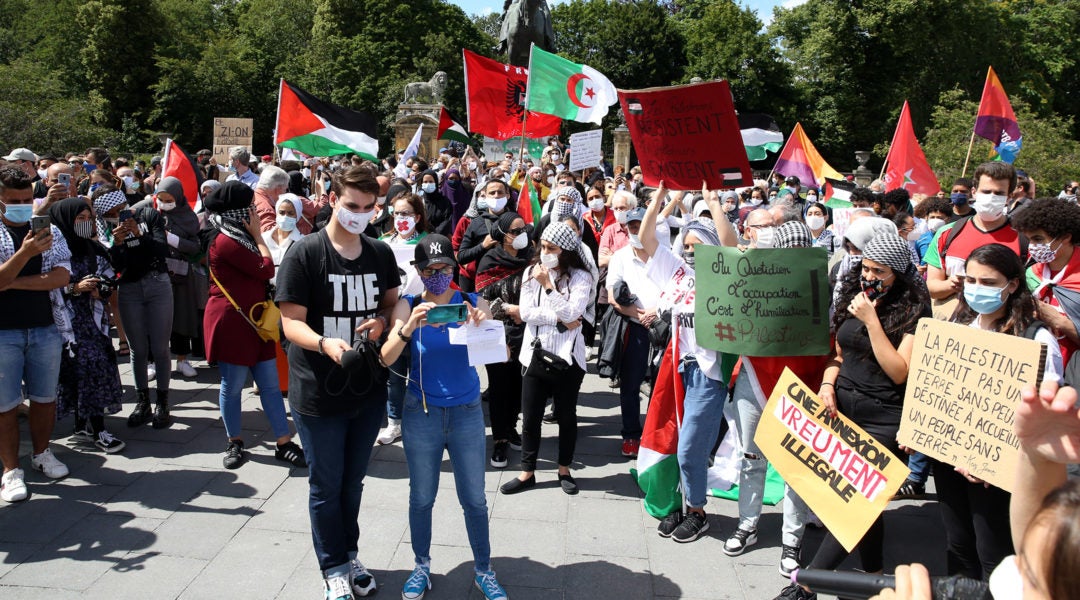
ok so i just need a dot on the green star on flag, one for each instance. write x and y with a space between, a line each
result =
566 89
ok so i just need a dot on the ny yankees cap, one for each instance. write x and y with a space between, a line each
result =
433 249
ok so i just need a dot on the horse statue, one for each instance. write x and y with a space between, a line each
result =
525 22
426 92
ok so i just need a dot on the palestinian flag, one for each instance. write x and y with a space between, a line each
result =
451 129
528 205
318 128
657 472
566 89
837 192
760 134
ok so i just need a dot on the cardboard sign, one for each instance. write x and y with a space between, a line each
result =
962 391
585 149
229 133
687 134
771 302
845 476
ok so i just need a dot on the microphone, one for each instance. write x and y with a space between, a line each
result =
849 584
352 359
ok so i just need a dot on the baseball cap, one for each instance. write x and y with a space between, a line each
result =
792 180
635 214
266 158
434 248
21 154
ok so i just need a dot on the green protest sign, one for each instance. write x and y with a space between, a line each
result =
762 302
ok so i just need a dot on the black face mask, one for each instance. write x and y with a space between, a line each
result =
874 289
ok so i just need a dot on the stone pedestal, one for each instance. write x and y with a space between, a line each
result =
863 176
411 116
622 147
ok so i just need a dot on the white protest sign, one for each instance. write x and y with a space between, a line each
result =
585 149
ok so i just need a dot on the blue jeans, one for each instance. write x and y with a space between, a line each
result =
146 308
30 355
919 464
459 430
635 360
233 378
703 409
337 450
395 387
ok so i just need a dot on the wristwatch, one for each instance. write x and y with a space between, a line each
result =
321 340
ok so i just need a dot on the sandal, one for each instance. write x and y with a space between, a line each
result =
124 350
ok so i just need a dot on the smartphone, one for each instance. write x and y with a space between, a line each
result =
448 313
39 223
64 178
125 215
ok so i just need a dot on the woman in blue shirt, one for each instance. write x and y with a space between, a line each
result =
442 412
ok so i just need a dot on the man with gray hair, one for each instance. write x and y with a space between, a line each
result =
617 237
272 183
239 168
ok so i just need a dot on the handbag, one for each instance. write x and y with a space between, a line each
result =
264 317
545 365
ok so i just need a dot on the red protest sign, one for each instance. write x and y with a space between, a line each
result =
685 134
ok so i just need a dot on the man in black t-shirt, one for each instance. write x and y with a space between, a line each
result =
333 287
31 265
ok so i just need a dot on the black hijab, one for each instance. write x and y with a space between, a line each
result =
63 215
498 256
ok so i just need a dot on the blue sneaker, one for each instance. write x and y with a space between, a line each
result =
417 585
337 588
490 587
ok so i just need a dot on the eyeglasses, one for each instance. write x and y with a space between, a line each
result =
430 271
517 231
759 226
404 213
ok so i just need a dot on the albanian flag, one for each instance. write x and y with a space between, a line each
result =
495 95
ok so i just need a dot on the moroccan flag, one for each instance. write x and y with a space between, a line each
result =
996 120
657 470
318 128
908 168
495 100
566 89
528 205
451 129
176 163
760 134
837 192
801 159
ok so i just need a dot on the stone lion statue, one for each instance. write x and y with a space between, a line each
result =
426 92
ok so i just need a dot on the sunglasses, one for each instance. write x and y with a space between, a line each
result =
517 231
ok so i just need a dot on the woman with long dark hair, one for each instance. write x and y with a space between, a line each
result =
976 514
880 302
554 297
498 280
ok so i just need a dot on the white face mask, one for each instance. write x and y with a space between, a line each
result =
472 165
934 224
550 180
286 223
765 237
428 188
496 203
166 206
550 261
635 241
755 201
596 205
381 201
306 172
521 241
404 225
815 222
620 216
1006 581
131 183
990 206
354 223
811 198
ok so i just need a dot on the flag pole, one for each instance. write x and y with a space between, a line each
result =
963 173
525 112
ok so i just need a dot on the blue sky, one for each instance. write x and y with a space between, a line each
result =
763 7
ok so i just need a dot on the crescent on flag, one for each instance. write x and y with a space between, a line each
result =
571 88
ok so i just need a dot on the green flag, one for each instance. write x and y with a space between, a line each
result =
568 90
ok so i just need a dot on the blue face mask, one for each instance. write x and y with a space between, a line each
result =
18 213
89 168
94 187
983 299
959 198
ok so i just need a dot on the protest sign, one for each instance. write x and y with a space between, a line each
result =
771 302
229 133
585 149
687 134
841 219
495 149
963 388
842 473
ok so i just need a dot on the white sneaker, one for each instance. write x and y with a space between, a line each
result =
49 465
185 368
12 487
151 373
391 434
363 583
337 588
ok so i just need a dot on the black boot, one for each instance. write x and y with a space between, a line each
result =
142 414
161 411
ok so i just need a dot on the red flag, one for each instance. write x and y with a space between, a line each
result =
908 168
494 99
176 163
528 204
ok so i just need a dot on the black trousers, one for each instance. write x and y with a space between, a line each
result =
534 395
504 397
976 520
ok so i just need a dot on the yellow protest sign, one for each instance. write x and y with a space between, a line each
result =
845 476
962 391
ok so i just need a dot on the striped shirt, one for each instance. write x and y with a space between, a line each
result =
542 311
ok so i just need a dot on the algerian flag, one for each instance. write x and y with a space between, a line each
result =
568 90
